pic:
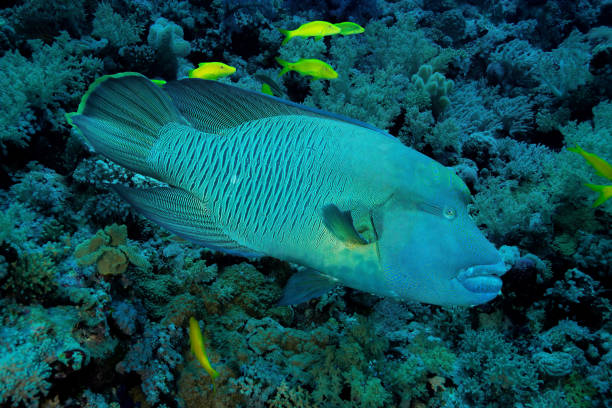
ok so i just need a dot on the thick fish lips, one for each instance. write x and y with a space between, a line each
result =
484 279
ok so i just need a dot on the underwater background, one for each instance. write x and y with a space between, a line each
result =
95 301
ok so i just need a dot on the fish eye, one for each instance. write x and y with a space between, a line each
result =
449 213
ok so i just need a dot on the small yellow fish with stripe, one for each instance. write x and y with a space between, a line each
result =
198 348
603 168
265 89
316 29
314 67
159 82
268 85
349 28
211 70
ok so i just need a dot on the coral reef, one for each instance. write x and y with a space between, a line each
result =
496 90
108 249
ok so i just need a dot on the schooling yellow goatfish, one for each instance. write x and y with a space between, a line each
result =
603 168
211 70
255 175
316 29
198 349
313 67
349 28
159 82
268 85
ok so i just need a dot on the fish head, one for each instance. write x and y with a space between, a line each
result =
329 29
329 73
227 69
430 250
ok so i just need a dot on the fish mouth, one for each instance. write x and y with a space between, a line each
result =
482 278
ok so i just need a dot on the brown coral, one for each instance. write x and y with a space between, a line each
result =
110 251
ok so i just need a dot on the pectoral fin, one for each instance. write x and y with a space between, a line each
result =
306 285
340 224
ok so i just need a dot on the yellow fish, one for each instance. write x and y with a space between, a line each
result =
211 70
348 28
265 88
268 85
316 29
158 82
603 168
198 349
313 67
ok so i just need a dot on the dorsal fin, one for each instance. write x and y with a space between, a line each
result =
212 106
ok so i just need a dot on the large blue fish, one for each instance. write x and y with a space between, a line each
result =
254 175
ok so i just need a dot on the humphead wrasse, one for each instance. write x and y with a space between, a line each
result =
254 175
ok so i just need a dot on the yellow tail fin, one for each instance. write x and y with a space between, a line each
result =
287 35
605 192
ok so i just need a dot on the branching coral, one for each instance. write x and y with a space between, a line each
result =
32 343
166 38
566 68
509 375
154 357
119 31
42 189
31 277
53 75
435 85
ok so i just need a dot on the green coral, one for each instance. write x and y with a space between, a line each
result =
486 357
166 38
423 360
579 392
444 137
374 78
435 85
408 378
14 223
30 17
566 68
31 277
593 137
119 31
290 397
53 75
31 344
244 286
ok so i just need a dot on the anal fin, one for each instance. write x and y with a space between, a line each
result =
306 285
183 214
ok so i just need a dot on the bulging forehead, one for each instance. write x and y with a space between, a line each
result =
432 178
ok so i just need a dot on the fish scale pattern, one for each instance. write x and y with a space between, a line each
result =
178 156
263 181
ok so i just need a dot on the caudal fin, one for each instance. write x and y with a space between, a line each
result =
285 64
287 35
121 116
605 192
